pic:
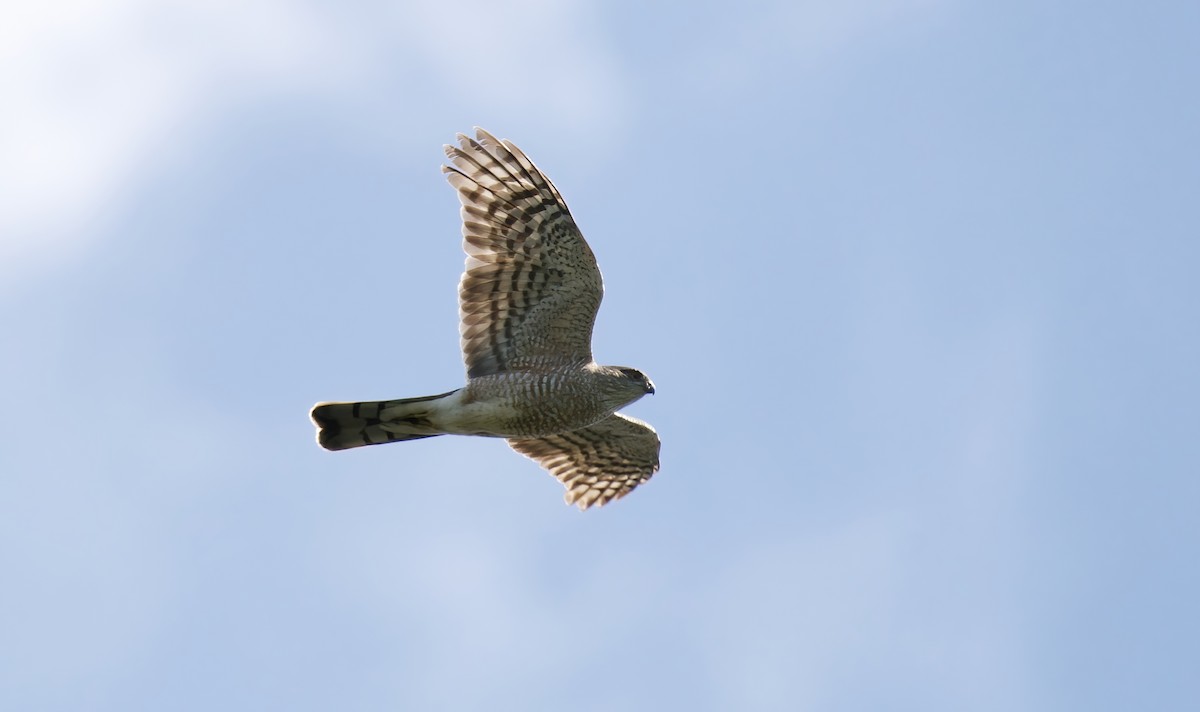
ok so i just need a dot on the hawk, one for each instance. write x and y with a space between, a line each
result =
527 302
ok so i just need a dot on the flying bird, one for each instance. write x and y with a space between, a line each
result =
527 303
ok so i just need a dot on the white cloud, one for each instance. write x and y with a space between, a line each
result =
98 92
96 88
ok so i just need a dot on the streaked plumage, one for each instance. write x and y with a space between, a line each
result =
527 303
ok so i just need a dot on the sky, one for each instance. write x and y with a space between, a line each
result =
915 281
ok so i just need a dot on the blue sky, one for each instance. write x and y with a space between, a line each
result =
915 279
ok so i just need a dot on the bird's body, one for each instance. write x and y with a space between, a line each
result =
514 404
531 404
528 299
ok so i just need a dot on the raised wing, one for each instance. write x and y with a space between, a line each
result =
531 288
599 463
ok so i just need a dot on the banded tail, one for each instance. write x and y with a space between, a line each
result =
341 426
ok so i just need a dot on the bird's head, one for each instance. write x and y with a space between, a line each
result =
637 377
619 386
